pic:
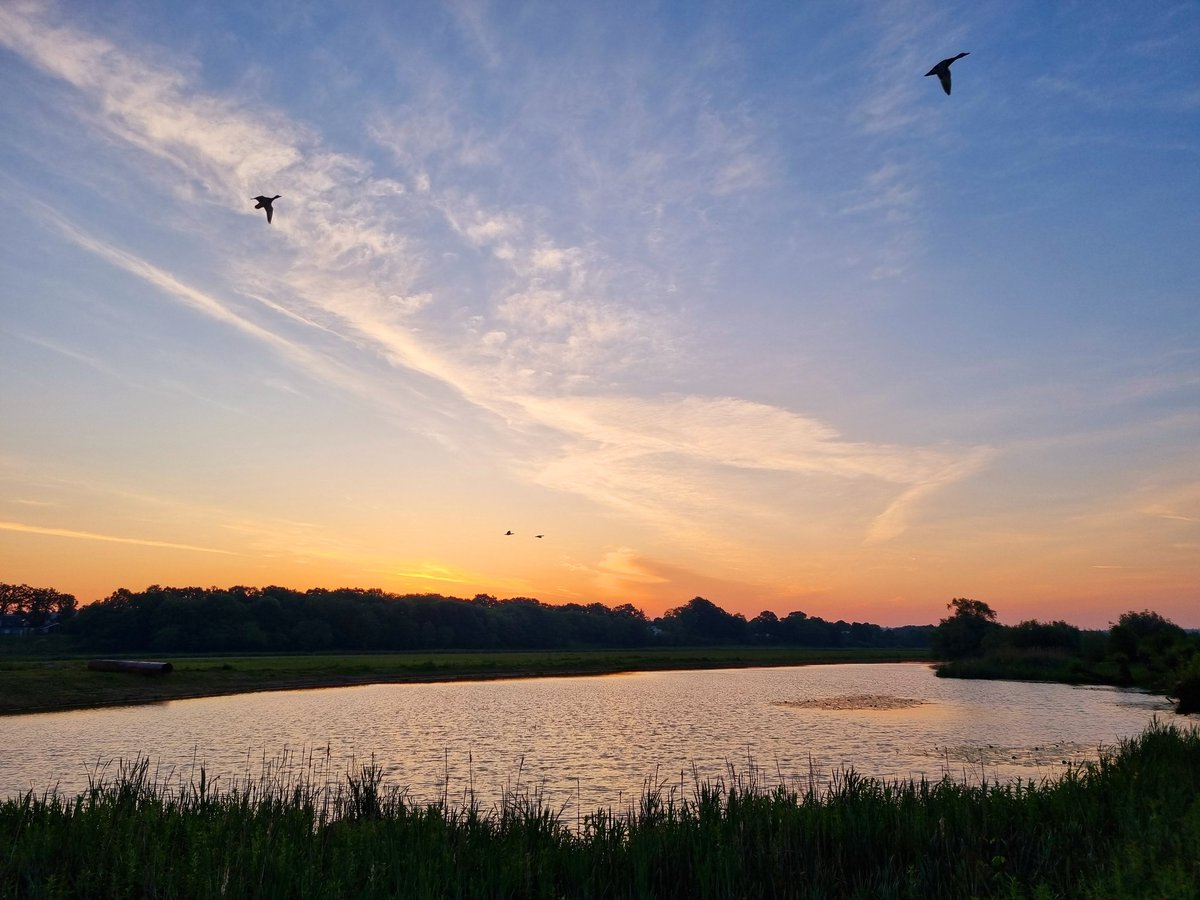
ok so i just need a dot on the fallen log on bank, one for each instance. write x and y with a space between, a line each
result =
138 666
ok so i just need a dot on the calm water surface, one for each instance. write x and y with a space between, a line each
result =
596 741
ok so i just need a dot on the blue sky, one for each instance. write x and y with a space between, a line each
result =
725 299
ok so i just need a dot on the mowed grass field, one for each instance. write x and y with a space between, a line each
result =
40 683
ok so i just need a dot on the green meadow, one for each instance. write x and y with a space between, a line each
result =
31 683
1125 826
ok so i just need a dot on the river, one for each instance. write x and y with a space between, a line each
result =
592 742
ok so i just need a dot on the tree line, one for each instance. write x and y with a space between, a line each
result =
1141 649
276 619
35 606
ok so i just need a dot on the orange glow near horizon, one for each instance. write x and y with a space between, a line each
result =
92 569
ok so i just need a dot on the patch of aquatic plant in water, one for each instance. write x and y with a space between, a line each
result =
1127 825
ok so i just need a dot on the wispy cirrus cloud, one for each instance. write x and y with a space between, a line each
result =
907 37
656 585
526 343
432 573
151 107
902 30
86 359
107 538
352 260
634 455
54 498
1179 502
317 365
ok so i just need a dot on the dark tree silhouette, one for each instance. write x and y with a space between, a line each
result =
1057 635
36 605
963 632
1141 636
277 619
701 621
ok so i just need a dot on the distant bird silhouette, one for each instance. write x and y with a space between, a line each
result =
265 203
942 71
507 533
539 535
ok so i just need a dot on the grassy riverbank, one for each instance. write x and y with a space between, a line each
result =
1045 665
1181 686
38 684
1141 650
1128 826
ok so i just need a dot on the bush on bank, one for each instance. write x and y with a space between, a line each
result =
1142 649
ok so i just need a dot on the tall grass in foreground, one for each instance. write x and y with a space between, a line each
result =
1126 826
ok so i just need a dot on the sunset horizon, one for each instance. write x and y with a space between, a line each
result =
1099 616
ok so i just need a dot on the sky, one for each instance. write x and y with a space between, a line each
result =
723 299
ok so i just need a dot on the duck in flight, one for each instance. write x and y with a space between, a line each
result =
265 203
942 71
507 533
539 535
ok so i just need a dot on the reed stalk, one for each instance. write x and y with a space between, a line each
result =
1126 825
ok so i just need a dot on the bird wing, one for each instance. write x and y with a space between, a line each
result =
944 78
269 205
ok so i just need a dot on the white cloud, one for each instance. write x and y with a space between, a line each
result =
106 538
621 568
640 456
552 319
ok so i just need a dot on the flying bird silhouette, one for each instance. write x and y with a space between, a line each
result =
265 203
507 533
942 71
539 535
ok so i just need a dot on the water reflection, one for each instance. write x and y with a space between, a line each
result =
598 741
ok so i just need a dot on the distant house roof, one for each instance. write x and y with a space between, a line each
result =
12 623
16 623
